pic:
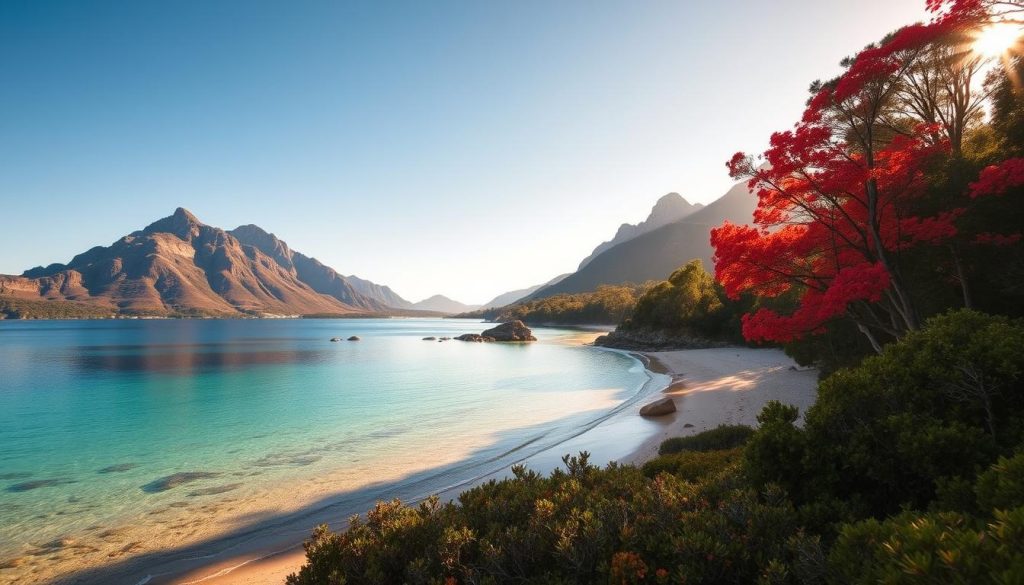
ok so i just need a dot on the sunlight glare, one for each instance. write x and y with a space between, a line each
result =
996 39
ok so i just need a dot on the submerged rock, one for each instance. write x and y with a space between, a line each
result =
511 331
118 468
659 407
26 486
176 479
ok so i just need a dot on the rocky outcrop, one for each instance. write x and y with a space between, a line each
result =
474 337
511 331
647 340
659 407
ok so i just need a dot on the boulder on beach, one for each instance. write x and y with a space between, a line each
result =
354 338
659 407
511 331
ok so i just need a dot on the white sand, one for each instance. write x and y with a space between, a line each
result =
727 385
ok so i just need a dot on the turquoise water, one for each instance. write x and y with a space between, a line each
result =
109 424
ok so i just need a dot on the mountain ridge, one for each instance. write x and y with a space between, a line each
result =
655 254
668 208
177 265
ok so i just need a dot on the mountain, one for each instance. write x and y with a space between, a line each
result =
505 299
654 255
179 265
443 304
382 293
670 208
322 279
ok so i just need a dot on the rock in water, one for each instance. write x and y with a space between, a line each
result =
335 339
429 338
659 407
511 331
473 337
354 338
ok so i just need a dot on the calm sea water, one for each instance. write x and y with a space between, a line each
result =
112 423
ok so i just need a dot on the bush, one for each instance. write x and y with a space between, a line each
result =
692 465
893 431
1002 486
581 525
933 548
720 437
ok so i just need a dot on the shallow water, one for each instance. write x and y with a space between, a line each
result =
110 429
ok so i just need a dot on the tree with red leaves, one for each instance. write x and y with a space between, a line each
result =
844 196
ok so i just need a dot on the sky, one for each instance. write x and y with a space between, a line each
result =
462 148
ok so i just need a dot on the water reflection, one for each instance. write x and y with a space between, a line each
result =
188 359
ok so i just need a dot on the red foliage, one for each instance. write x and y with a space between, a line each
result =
997 179
990 239
830 212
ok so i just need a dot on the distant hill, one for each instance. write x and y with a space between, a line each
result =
654 255
510 297
442 304
670 208
379 292
179 266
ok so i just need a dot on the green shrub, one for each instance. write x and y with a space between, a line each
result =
931 548
581 525
720 437
901 427
692 465
1002 486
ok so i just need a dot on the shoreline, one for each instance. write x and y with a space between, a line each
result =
710 387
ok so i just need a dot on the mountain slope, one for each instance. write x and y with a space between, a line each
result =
670 208
654 255
442 304
510 297
323 279
381 293
178 265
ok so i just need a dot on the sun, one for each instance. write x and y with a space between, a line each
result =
996 39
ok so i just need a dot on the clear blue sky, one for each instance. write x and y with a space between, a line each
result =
464 148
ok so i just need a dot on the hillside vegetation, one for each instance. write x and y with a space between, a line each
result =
608 305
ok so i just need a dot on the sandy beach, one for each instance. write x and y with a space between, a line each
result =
709 386
728 385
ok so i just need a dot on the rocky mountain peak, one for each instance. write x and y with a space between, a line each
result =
181 223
